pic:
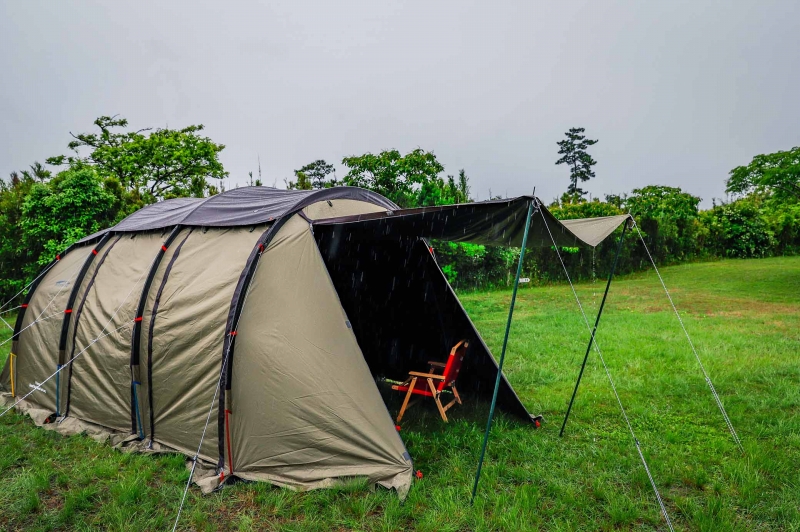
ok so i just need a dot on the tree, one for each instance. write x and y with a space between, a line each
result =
317 173
14 261
37 172
669 218
778 172
56 214
398 177
302 182
161 164
573 151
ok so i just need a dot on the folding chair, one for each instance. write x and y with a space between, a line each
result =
423 383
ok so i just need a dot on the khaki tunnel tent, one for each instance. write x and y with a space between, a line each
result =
295 302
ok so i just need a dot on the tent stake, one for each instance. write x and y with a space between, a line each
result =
594 331
503 352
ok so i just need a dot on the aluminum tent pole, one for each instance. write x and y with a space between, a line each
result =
503 352
594 330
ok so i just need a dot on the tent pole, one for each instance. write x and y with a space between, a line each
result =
594 331
503 352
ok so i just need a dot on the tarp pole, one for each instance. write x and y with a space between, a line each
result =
503 352
594 331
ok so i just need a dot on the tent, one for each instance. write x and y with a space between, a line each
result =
255 323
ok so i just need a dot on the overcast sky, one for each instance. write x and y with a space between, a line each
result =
678 93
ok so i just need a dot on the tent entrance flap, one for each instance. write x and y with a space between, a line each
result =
404 313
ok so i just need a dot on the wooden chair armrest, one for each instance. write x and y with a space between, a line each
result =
435 364
426 375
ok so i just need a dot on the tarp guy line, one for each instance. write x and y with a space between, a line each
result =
101 335
614 388
691 344
262 248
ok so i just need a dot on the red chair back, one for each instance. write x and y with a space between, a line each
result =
453 365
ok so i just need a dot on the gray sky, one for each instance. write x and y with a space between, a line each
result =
678 93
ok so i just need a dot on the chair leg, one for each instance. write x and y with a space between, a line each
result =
455 392
437 399
408 396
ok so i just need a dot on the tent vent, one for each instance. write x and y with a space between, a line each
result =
347 322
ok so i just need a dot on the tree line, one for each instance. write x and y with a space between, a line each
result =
112 171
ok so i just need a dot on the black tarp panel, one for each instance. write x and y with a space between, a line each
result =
497 223
404 313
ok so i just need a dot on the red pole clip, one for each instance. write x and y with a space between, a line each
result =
233 333
94 252
58 257
261 247
24 305
163 248
68 311
139 318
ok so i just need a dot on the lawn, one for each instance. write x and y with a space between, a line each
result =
744 317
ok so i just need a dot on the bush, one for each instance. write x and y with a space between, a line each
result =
738 230
62 211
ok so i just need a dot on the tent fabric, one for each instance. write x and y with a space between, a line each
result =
188 333
345 294
593 231
100 380
238 207
497 222
318 414
37 350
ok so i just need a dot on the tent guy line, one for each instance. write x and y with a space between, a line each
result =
31 324
613 386
12 298
691 344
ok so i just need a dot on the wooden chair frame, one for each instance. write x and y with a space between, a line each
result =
430 377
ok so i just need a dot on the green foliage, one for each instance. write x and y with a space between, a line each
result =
472 266
57 214
13 255
738 230
317 173
301 182
669 218
584 209
574 155
166 163
777 172
407 180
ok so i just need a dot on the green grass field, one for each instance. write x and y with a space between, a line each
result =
744 317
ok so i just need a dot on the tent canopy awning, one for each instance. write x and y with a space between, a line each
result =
496 222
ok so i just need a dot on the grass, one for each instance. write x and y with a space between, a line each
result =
744 317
